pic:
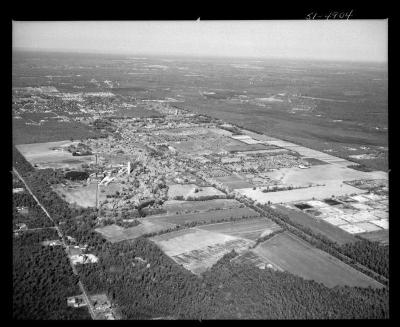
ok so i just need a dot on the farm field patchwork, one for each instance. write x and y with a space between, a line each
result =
85 195
187 191
210 216
317 192
173 206
318 225
115 233
250 229
52 155
234 182
198 250
295 256
320 174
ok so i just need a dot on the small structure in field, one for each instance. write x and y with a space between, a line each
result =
76 301
83 258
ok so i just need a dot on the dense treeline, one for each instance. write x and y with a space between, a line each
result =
76 175
370 254
35 218
228 290
20 162
42 279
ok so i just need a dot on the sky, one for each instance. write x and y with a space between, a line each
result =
349 40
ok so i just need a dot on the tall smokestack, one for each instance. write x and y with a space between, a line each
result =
129 167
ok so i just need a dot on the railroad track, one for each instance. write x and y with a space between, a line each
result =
60 234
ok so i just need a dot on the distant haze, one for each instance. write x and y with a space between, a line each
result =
350 40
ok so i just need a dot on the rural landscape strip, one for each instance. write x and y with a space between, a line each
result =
89 304
306 237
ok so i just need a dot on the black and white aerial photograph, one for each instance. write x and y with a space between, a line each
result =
200 169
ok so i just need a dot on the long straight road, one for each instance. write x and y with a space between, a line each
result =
80 284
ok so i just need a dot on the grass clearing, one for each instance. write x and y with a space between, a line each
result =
250 229
198 250
193 192
85 195
234 182
318 225
295 256
114 233
210 216
52 155
173 206
381 236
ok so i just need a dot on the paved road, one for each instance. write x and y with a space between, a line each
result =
89 304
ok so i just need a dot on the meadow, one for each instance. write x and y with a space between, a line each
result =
297 257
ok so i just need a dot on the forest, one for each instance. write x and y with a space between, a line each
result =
43 279
35 218
372 255
227 290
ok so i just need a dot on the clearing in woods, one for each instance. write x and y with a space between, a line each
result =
297 257
53 155
250 229
210 216
174 206
198 250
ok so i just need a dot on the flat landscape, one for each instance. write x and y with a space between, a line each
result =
318 192
198 250
332 232
174 206
196 183
381 236
291 254
251 229
210 216
53 155
115 233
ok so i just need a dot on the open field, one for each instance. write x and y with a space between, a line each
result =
251 258
381 236
174 206
245 147
250 229
114 233
188 191
197 250
210 216
85 195
51 155
294 255
233 182
321 174
318 192
318 225
50 131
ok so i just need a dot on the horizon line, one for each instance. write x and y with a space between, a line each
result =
186 55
